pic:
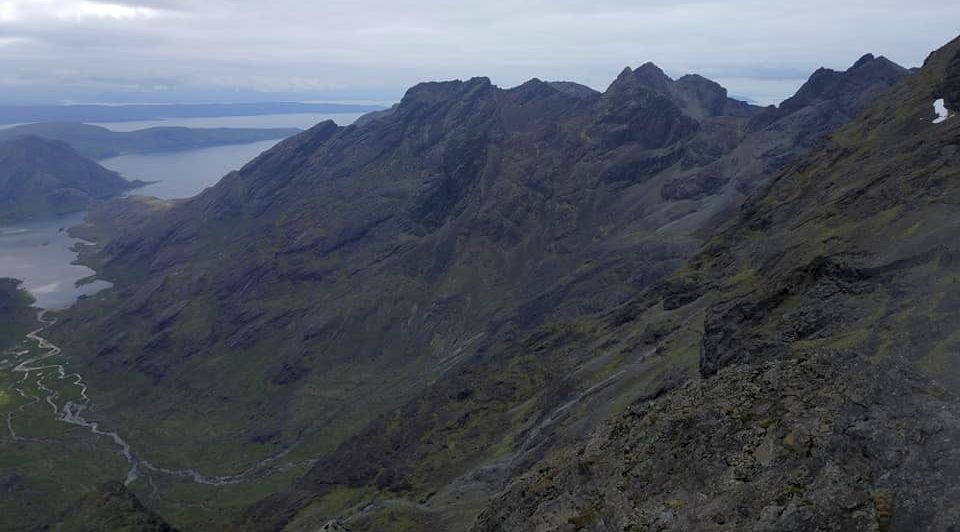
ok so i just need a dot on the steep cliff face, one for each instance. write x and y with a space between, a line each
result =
40 177
339 274
828 357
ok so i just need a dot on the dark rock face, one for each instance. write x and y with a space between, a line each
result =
356 266
40 177
848 90
804 444
823 400
951 85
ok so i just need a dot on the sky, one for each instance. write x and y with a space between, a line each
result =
70 51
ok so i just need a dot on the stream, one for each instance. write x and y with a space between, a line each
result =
35 371
41 254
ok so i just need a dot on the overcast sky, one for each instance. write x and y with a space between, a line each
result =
71 50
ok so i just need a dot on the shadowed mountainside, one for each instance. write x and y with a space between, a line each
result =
16 316
342 273
796 374
828 357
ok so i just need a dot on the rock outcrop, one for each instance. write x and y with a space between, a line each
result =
825 397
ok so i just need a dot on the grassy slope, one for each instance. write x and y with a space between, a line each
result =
53 463
53 474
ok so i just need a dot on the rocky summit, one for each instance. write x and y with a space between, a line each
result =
551 308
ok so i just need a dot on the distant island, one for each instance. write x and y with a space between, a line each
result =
125 113
41 177
98 143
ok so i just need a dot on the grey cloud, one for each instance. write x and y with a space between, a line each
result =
760 49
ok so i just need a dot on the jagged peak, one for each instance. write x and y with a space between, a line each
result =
532 90
650 68
705 97
531 83
829 83
866 62
698 80
536 88
646 75
445 90
876 63
949 49
573 88
822 71
867 58
323 126
650 74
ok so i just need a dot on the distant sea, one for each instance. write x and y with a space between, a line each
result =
186 173
10 114
300 120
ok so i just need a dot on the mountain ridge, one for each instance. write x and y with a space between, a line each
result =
815 381
354 267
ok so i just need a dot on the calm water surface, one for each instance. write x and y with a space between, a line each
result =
186 173
39 254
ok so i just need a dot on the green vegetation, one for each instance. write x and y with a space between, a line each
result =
48 463
16 316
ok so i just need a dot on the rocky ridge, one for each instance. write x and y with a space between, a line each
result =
431 258
827 360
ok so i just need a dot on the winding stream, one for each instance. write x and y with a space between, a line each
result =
41 254
36 369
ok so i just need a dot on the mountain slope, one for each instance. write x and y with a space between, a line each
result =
339 274
16 316
824 401
40 177
100 143
109 507
828 355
